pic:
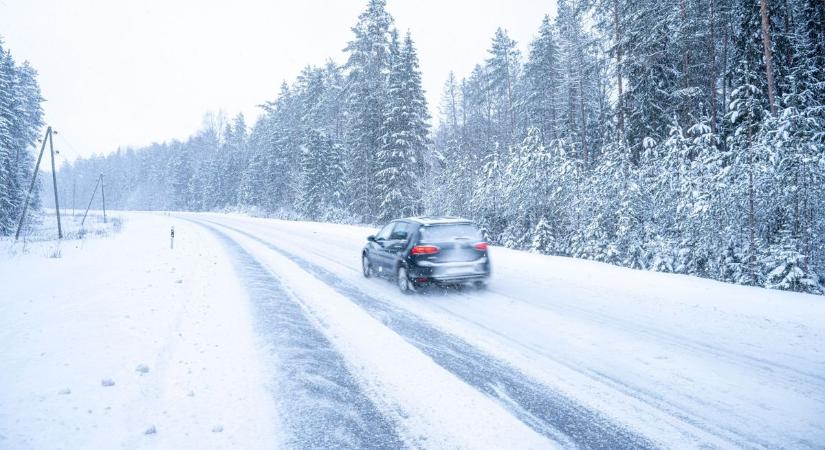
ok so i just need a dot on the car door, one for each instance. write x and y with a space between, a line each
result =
396 244
378 256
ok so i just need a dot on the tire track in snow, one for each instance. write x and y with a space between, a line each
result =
793 374
319 401
543 409
736 436
702 425
812 380
641 393
644 395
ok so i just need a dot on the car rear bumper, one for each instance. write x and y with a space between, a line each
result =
458 279
451 272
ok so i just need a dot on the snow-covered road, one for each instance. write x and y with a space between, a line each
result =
264 333
582 353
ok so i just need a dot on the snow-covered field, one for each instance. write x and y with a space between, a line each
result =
120 336
256 333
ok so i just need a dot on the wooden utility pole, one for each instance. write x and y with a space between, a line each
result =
48 136
766 47
54 185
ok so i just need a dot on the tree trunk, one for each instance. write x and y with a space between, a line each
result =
511 112
712 77
725 70
766 46
581 113
788 14
751 213
463 111
553 131
618 49
683 10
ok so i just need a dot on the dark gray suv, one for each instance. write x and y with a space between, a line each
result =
418 251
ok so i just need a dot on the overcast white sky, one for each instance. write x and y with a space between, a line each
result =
128 73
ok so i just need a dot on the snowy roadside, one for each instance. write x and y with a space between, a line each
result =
122 342
40 236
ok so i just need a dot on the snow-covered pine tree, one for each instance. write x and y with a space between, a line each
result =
582 95
180 177
792 137
603 207
651 72
30 112
8 173
280 151
539 87
503 68
533 188
232 160
405 139
543 239
323 176
487 197
21 119
812 25
786 266
367 67
447 167
702 207
450 108
254 177
331 103
747 110
479 137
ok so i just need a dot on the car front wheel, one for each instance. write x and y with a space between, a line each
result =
367 266
403 280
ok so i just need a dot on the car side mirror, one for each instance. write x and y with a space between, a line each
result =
371 238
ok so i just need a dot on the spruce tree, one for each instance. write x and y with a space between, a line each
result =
405 138
322 180
367 67
8 172
541 81
503 68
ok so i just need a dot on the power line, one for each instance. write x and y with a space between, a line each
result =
103 195
70 146
90 200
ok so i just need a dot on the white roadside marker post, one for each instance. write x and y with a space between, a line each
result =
172 239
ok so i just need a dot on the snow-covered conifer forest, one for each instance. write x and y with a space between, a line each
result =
21 120
681 136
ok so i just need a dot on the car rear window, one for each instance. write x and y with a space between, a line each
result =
442 233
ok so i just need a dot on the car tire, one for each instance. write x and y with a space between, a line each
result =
403 282
366 266
480 285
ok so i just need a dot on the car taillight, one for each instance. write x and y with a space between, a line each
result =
481 246
424 250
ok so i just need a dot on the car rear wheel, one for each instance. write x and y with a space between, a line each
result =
403 280
367 266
